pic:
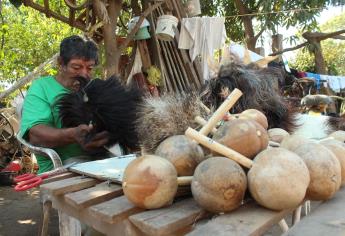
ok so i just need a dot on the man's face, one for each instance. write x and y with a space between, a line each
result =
75 68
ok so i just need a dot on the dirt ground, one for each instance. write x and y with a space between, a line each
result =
21 213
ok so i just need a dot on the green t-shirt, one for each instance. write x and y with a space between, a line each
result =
39 108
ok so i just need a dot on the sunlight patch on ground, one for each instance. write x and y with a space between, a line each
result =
35 193
27 222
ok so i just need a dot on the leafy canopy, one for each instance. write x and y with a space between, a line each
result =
333 50
29 39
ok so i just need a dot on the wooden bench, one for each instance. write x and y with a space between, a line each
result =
328 219
103 206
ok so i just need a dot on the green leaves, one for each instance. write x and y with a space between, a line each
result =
29 39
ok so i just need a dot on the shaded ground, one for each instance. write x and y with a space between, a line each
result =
20 213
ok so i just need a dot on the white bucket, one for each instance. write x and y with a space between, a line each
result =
166 25
193 7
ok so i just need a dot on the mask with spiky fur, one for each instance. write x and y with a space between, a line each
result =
260 91
107 105
165 116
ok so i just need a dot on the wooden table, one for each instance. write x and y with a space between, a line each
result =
103 206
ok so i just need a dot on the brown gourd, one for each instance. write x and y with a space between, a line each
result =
324 169
277 134
182 152
219 184
253 114
287 168
244 136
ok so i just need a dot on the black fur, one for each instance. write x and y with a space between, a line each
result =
108 105
260 87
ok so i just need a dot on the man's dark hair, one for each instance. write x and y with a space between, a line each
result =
77 47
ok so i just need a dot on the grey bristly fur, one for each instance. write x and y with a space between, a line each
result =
315 100
165 116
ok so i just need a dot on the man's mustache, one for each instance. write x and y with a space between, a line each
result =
81 81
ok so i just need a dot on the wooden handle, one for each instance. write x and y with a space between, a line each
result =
217 147
208 111
221 111
273 144
202 121
184 180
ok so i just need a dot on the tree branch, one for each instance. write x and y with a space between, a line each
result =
341 37
260 33
321 36
289 49
138 24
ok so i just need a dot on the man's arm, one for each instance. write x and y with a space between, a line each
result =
46 136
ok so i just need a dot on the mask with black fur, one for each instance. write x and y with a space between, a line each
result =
107 105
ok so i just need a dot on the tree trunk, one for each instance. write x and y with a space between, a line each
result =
248 26
112 54
320 65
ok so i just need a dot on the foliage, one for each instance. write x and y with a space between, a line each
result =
305 20
333 50
30 38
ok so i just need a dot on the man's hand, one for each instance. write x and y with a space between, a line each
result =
97 140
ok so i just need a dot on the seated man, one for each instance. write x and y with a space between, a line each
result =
40 123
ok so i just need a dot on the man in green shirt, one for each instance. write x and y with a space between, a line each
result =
40 124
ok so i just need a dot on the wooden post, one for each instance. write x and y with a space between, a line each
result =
260 51
277 45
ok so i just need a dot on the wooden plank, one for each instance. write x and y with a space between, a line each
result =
67 185
249 219
170 219
144 53
327 219
59 177
90 196
114 210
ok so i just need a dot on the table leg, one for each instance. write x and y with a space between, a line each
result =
296 215
68 225
47 206
283 225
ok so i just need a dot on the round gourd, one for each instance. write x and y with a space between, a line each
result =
244 136
339 135
150 182
292 142
339 151
182 152
324 169
219 184
256 115
278 179
277 134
